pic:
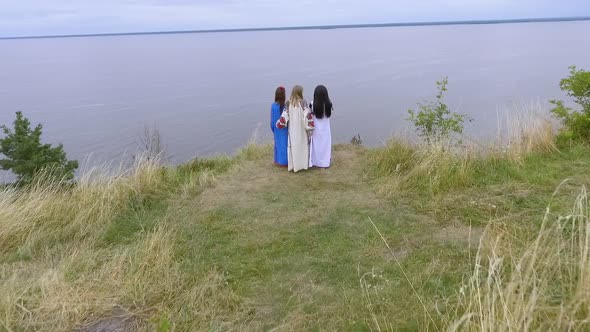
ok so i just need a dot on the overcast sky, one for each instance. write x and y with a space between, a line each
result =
50 17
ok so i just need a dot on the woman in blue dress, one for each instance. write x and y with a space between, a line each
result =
281 136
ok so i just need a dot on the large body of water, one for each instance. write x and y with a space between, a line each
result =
208 93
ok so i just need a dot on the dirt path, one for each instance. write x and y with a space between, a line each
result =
270 190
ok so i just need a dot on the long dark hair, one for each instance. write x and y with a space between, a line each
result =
322 106
280 96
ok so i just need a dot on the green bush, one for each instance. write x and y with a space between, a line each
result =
356 140
26 156
434 121
576 123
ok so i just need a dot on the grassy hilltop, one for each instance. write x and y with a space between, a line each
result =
386 239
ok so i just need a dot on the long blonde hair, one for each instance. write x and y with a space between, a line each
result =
296 95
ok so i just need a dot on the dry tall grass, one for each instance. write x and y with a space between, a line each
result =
57 273
50 231
524 128
543 285
403 166
49 212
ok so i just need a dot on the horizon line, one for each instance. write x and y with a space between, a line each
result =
313 27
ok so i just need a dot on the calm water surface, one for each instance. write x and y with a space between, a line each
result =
209 93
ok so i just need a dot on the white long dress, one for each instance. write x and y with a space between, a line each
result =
299 120
321 143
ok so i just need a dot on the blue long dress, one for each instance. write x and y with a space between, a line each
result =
281 136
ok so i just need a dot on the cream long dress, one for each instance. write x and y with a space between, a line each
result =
299 119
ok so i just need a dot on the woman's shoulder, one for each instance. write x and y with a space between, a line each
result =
304 104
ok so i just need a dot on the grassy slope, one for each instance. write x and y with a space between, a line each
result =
296 245
241 244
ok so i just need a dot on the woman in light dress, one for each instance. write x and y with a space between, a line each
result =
297 117
321 141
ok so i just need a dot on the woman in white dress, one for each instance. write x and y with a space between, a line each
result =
321 141
298 118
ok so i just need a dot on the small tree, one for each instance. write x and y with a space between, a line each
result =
576 124
25 156
434 121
